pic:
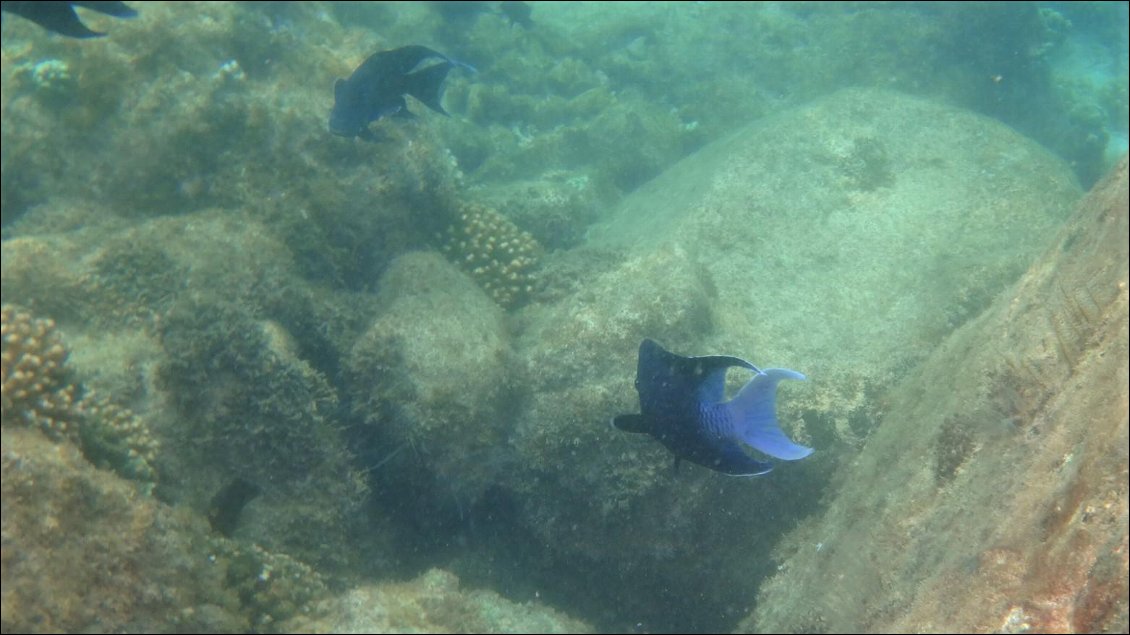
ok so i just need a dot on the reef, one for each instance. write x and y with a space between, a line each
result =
404 353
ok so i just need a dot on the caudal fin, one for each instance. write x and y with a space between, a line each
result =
427 85
754 413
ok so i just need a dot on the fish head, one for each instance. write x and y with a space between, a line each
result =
348 116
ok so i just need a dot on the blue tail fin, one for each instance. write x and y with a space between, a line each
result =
754 412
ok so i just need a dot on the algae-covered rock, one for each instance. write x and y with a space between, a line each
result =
250 407
593 497
83 550
434 373
844 238
431 603
996 482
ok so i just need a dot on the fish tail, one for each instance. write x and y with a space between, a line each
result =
427 85
754 415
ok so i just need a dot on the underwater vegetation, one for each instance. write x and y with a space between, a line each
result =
263 377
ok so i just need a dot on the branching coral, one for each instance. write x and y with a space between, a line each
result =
38 393
114 437
499 256
35 389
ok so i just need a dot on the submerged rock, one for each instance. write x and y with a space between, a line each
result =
846 237
997 480
843 239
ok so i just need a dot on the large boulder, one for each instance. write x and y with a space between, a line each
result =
843 239
993 497
847 237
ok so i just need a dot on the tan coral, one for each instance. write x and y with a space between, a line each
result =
500 257
35 390
38 393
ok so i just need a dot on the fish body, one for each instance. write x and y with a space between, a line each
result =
517 13
682 405
60 17
378 86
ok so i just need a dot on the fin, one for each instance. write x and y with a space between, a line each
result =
668 382
60 17
112 8
729 458
632 423
427 85
754 412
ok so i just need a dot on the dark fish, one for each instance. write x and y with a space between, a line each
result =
378 86
681 406
517 12
60 17
228 503
459 12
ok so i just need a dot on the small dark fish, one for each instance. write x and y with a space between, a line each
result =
459 12
378 86
517 12
228 503
681 406
60 17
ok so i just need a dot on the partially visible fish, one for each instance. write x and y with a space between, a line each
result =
517 12
681 406
60 17
227 504
378 86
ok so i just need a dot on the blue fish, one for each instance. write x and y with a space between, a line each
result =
60 17
681 405
378 86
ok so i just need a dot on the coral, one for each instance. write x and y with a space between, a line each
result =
35 390
38 393
50 81
501 258
271 586
114 437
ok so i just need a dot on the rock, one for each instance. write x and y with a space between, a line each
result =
433 373
996 481
844 238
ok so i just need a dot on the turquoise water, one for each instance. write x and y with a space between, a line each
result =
376 358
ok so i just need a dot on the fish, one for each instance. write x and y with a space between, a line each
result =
517 12
681 405
378 86
227 504
459 12
60 17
